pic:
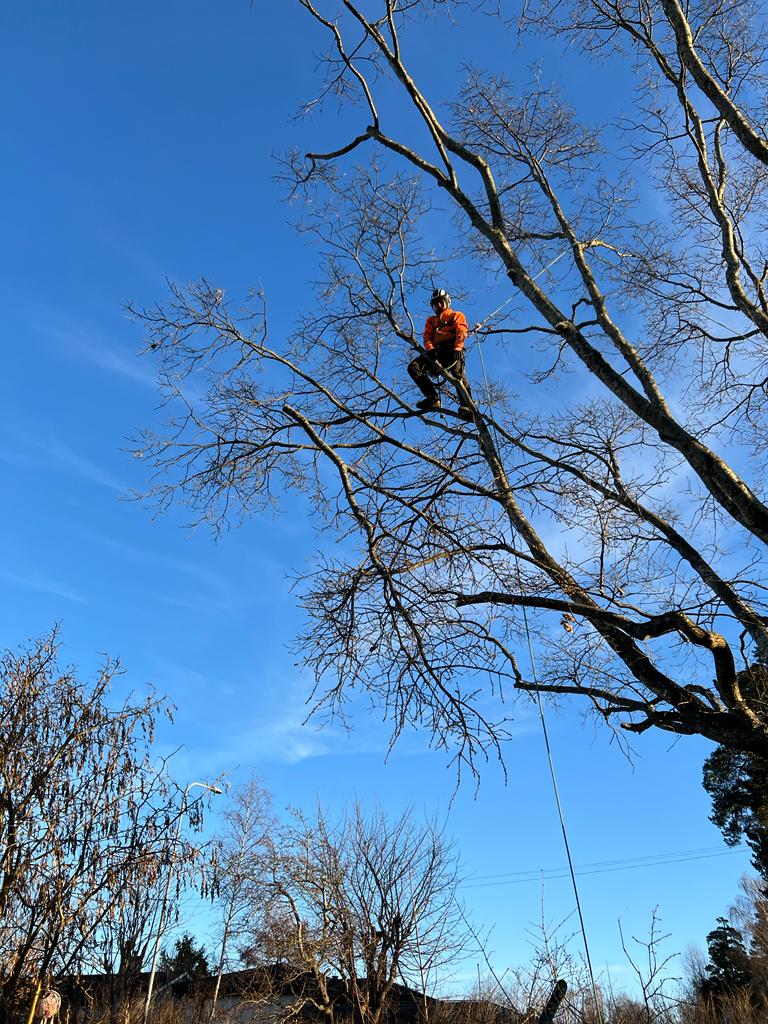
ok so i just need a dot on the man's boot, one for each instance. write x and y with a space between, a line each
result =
429 404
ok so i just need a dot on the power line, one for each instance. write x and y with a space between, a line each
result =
619 860
600 867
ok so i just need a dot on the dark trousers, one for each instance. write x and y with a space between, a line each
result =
422 374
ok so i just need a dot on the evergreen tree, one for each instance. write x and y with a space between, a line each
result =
729 964
186 958
737 782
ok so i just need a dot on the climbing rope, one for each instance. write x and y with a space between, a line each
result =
506 302
561 815
534 675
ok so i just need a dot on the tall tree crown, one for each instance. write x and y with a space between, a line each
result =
614 513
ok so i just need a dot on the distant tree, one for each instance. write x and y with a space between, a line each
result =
757 930
356 906
243 849
122 947
728 968
750 916
591 513
83 821
185 958
737 782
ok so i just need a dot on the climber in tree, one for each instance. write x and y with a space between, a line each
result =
444 335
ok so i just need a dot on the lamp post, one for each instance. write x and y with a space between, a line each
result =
163 906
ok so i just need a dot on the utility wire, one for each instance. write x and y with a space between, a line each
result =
553 874
599 867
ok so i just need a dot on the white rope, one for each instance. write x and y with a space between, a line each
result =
534 674
506 302
561 815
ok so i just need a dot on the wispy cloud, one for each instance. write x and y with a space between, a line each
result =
116 238
100 348
107 351
217 594
97 350
82 466
42 585
272 729
282 737
29 444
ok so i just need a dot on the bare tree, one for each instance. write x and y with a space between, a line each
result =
120 947
83 819
651 972
356 907
242 859
624 532
171 862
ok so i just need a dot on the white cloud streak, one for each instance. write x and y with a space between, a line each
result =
42 585
80 465
100 352
28 444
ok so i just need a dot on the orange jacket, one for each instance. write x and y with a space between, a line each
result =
447 328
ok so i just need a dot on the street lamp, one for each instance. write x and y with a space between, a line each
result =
163 906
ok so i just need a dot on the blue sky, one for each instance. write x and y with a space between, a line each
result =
138 145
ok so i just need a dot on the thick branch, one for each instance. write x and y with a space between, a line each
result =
749 138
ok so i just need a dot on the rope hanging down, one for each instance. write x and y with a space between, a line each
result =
534 674
566 844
